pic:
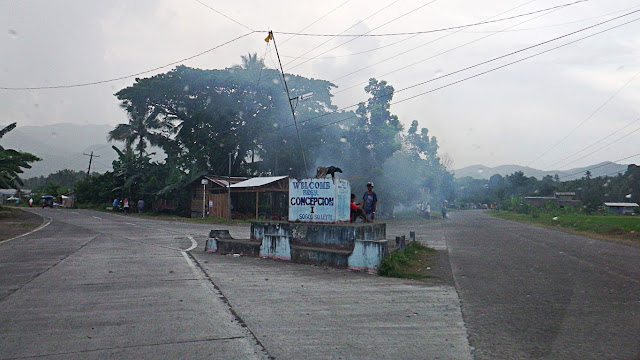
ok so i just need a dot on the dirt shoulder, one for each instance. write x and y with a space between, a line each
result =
15 221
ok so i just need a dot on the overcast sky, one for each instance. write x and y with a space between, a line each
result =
538 112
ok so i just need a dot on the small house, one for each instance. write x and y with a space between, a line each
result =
560 199
261 198
13 195
622 208
209 195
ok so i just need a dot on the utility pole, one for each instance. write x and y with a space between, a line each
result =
293 111
90 159
229 190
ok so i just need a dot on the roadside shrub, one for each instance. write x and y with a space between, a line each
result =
407 263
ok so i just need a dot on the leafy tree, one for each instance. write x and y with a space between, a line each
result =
12 163
98 189
243 111
375 134
65 178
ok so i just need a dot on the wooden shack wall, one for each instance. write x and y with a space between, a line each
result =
220 207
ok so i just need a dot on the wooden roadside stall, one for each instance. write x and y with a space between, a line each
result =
261 197
209 194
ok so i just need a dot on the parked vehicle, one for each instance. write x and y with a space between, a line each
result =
47 200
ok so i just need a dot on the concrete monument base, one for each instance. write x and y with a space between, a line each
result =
357 246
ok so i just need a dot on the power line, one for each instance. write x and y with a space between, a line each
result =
470 67
511 63
582 123
487 71
347 29
433 56
433 30
293 112
358 36
599 166
609 144
456 82
563 23
449 50
592 144
316 21
492 31
126 76
228 17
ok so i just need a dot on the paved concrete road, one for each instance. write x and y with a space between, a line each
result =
97 285
532 293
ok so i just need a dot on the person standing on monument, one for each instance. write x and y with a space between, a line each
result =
370 202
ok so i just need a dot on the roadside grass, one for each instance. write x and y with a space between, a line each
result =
410 263
615 226
14 222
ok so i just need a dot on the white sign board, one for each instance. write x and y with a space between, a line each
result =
319 200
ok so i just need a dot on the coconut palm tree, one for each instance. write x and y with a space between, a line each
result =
139 130
252 62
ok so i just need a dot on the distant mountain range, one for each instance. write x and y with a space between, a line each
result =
61 146
484 172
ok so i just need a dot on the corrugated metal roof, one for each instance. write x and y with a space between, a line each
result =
622 204
257 181
222 183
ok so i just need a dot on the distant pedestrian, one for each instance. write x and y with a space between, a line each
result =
140 205
31 202
116 202
125 205
370 202
428 212
444 211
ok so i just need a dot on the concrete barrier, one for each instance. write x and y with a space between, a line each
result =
211 245
354 246
275 246
367 255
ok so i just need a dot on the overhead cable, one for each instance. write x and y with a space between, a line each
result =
485 62
228 17
433 56
388 22
313 23
126 76
347 29
599 166
582 123
432 30
458 47
605 146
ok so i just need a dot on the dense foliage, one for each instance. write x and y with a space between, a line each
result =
205 119
508 191
12 163
60 182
